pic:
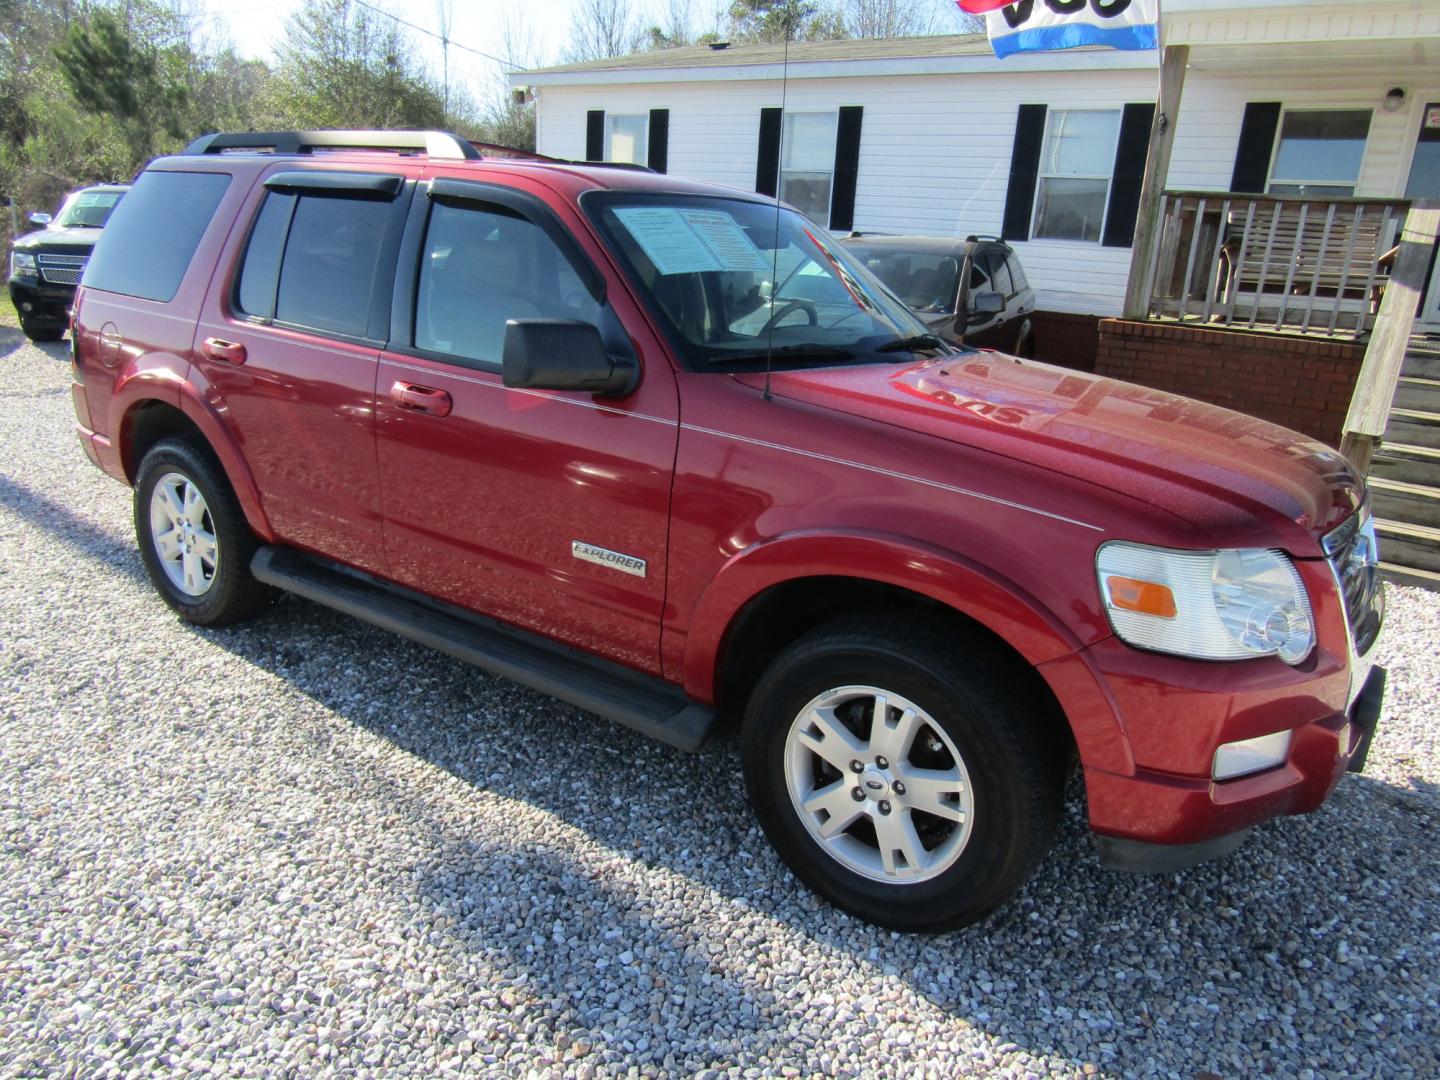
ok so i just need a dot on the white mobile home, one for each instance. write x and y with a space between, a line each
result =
934 135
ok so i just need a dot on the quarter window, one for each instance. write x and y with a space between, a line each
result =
482 267
1320 152
807 163
1076 166
627 138
152 235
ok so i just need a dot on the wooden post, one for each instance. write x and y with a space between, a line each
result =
1152 185
1390 340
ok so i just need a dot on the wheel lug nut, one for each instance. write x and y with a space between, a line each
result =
881 763
898 788
857 794
857 766
884 806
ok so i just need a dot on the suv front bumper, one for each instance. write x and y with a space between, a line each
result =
39 301
1192 820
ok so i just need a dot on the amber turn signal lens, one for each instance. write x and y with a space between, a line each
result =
1146 597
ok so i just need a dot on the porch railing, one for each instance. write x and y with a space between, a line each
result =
1266 262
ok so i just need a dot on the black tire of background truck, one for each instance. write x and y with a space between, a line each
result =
234 594
983 698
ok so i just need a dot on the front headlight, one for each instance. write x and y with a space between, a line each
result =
22 265
1214 605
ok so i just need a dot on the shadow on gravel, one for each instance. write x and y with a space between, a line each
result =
12 340
1313 944
70 528
1297 948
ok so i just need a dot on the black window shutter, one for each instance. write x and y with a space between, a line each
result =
659 139
767 165
1024 168
595 135
847 168
1257 144
1129 173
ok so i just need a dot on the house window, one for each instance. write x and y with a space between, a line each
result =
807 163
627 138
1319 152
1076 164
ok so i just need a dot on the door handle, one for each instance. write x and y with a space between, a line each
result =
421 399
227 352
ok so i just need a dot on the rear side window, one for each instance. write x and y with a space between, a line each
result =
313 261
152 236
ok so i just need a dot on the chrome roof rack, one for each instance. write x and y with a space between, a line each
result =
435 144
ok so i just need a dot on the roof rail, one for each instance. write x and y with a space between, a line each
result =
627 165
435 144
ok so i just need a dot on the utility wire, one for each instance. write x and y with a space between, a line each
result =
451 42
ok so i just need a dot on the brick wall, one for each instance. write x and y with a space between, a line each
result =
1302 383
1066 340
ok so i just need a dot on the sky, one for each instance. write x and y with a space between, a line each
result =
255 26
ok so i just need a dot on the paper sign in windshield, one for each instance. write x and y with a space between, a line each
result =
691 241
97 198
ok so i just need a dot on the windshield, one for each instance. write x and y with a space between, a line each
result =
731 280
927 281
88 209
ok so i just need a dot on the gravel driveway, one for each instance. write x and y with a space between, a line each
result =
306 845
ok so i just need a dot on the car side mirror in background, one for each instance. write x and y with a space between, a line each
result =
39 217
563 354
985 304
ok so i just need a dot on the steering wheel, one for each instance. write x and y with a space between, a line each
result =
811 311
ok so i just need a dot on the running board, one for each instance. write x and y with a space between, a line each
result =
641 702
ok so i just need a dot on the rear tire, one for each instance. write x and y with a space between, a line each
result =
967 767
193 536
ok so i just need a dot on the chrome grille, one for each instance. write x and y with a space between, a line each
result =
62 269
1355 557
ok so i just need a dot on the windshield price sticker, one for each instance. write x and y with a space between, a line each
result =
691 241
97 198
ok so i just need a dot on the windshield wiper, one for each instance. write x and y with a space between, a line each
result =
914 344
787 352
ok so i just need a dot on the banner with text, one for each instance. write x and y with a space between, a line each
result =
1046 25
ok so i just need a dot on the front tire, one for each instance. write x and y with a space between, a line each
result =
906 775
193 536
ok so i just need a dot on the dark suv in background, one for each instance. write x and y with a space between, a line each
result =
45 266
969 291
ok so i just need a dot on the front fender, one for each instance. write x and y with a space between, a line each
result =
943 576
959 583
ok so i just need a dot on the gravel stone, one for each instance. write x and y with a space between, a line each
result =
306 846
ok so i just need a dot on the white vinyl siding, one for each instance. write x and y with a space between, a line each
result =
935 156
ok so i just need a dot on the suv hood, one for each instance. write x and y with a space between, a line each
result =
83 239
1222 471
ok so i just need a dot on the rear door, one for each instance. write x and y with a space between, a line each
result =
288 347
504 501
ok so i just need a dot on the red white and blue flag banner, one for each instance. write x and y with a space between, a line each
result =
1044 25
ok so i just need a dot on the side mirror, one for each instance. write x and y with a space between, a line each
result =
985 304
563 354
39 217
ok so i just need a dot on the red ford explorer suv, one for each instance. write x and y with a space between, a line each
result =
670 453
